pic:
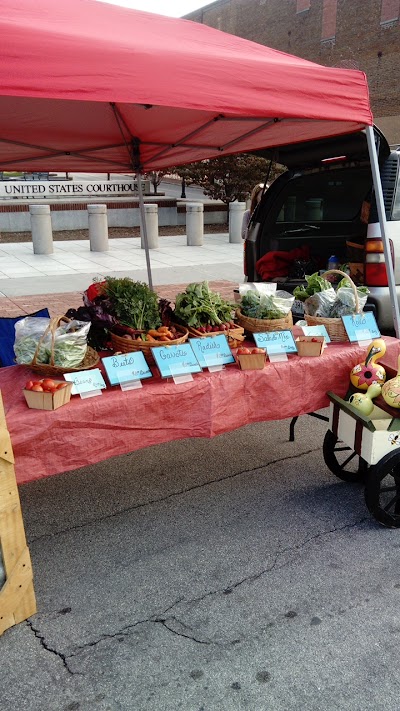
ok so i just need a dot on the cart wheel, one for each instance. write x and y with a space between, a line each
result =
343 461
382 490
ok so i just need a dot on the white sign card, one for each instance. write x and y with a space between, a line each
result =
86 383
127 369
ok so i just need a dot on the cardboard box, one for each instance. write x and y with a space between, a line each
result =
253 361
310 345
48 401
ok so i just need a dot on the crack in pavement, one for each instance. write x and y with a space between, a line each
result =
173 495
45 646
278 554
165 620
124 631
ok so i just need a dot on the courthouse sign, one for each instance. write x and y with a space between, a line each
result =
19 189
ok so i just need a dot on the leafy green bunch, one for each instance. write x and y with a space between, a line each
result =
257 305
133 303
315 284
199 306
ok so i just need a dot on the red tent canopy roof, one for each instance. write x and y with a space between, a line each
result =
80 80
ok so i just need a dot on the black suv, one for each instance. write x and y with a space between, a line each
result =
324 204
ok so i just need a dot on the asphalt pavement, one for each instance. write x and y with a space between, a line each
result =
227 574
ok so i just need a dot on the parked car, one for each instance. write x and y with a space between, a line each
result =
324 204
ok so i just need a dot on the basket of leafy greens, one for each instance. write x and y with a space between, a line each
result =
141 321
55 346
326 306
205 313
260 313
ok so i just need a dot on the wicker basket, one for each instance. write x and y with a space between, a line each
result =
334 326
90 360
236 332
263 325
127 345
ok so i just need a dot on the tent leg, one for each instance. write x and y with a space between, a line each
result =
383 225
144 228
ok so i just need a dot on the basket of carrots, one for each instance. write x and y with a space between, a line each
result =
128 340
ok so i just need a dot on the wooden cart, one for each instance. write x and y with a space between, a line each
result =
367 449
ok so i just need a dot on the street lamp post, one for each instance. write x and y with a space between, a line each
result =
183 193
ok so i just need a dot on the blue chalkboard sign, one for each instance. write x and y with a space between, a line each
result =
361 327
316 331
276 342
173 361
126 368
212 351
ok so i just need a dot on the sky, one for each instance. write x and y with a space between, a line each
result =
173 8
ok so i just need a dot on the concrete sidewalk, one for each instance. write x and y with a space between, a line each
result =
73 266
29 282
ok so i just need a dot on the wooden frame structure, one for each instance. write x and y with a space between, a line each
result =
17 595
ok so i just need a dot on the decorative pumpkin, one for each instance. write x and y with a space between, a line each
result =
391 389
363 401
368 372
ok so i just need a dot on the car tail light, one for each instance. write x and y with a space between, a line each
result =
244 259
375 267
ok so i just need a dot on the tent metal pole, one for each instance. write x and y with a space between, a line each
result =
383 225
144 229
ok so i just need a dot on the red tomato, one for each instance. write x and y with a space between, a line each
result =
258 350
243 351
37 388
61 385
28 385
47 384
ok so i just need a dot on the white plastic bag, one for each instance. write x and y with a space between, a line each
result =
345 302
320 304
70 341
28 332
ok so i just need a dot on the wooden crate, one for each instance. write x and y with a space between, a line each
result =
17 596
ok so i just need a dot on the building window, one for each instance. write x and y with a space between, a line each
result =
302 5
389 11
329 11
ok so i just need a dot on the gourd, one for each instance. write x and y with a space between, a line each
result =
369 371
391 389
363 401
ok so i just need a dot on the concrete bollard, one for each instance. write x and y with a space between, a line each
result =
194 224
236 211
98 227
151 213
42 233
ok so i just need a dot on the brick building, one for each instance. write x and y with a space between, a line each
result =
354 34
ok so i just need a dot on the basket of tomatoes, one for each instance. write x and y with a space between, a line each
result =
251 358
47 393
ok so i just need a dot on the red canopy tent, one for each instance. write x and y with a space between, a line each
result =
88 86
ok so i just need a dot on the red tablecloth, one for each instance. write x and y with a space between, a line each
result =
88 431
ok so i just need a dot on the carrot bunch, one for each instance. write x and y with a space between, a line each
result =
163 334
